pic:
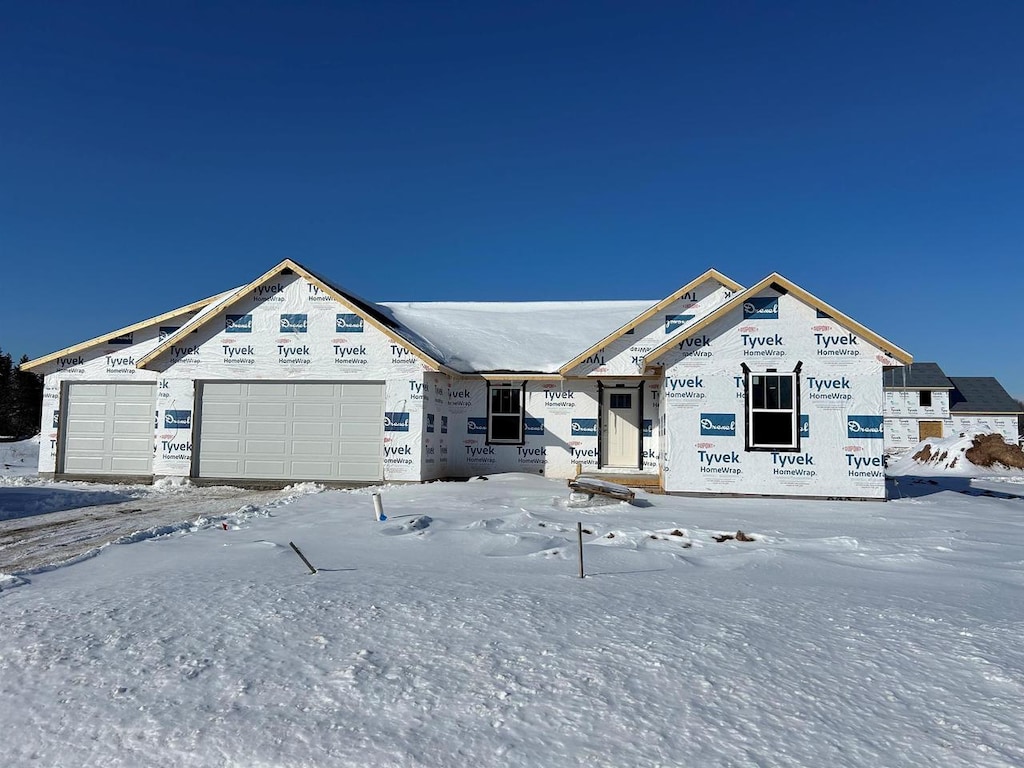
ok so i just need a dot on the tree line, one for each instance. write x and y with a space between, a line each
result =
21 398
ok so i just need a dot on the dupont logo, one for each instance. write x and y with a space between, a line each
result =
723 424
177 419
533 426
584 427
675 322
348 323
805 426
122 339
430 422
648 428
444 425
294 323
396 421
761 308
166 331
476 425
238 324
869 427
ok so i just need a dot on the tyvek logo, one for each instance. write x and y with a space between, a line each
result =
122 339
238 324
584 427
294 323
761 308
348 323
648 428
805 426
533 426
718 424
476 425
430 422
871 427
165 331
178 419
675 322
396 421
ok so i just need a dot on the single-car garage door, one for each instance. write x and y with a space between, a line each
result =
291 430
108 429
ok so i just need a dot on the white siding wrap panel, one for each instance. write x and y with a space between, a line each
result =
108 428
291 430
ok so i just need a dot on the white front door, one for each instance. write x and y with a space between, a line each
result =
620 432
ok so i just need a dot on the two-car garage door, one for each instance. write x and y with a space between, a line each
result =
291 430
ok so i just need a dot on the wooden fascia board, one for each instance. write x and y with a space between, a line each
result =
143 324
310 277
711 274
186 329
807 298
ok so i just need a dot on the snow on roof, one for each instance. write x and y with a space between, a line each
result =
530 336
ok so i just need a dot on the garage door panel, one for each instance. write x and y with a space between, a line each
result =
314 429
214 390
268 389
137 445
221 428
128 410
108 428
293 431
315 410
268 447
260 428
313 391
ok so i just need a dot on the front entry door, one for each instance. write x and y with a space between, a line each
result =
620 433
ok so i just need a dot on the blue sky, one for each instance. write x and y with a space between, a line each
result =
153 154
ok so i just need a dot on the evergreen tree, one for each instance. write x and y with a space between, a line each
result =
26 401
6 385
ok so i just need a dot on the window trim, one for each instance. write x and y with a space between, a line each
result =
519 387
749 410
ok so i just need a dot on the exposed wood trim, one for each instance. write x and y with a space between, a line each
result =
711 274
807 298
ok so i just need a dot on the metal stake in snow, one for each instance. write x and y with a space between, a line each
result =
378 508
302 556
579 535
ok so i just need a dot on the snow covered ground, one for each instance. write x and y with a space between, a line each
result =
457 632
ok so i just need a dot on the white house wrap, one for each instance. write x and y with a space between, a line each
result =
712 390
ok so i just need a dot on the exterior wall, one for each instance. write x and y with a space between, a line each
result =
561 429
981 424
841 406
906 403
113 361
624 356
435 448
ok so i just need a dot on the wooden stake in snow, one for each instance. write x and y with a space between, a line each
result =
311 568
579 534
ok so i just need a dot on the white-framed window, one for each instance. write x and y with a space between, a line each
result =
505 412
773 410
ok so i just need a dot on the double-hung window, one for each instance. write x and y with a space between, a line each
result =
505 413
773 413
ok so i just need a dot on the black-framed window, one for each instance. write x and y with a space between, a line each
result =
505 412
773 411
926 398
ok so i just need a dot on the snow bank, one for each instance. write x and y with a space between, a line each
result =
457 633
945 456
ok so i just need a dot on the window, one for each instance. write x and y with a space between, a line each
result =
926 398
772 411
620 400
505 413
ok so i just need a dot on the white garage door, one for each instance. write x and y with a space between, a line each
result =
292 431
108 429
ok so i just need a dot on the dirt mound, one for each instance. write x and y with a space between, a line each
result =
987 450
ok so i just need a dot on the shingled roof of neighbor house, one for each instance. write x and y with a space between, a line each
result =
980 394
916 376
